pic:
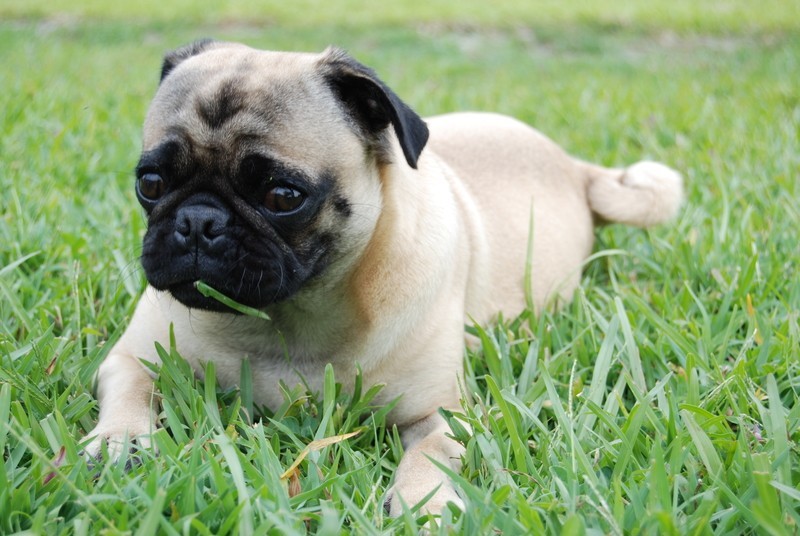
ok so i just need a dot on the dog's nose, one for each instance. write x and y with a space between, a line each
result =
200 226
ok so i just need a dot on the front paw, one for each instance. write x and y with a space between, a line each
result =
118 439
411 494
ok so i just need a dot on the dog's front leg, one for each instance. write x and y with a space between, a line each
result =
125 391
417 476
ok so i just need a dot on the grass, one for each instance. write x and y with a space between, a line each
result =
663 400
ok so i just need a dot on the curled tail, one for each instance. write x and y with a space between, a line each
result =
644 194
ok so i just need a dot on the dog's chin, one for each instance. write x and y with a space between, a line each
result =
188 295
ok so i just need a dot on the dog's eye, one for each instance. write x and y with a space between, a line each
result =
150 186
283 199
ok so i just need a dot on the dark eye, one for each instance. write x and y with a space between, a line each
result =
283 199
150 186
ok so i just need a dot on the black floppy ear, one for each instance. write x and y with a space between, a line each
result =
372 104
172 59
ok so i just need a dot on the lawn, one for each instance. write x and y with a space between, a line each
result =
663 400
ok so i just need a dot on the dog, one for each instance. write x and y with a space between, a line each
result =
302 186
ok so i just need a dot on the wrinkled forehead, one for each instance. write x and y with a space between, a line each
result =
258 101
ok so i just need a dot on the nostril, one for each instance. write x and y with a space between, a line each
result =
183 226
212 228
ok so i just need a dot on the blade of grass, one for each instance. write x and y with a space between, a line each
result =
210 292
231 456
317 444
597 388
705 448
152 519
246 389
510 419
631 349
778 432
767 508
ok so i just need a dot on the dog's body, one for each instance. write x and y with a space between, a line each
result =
396 250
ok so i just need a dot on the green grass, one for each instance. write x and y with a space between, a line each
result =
663 400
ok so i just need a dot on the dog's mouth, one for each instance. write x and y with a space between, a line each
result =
196 294
186 292
226 284
218 301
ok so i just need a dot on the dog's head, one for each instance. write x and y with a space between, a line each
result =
260 170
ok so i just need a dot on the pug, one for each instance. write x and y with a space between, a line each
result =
302 186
